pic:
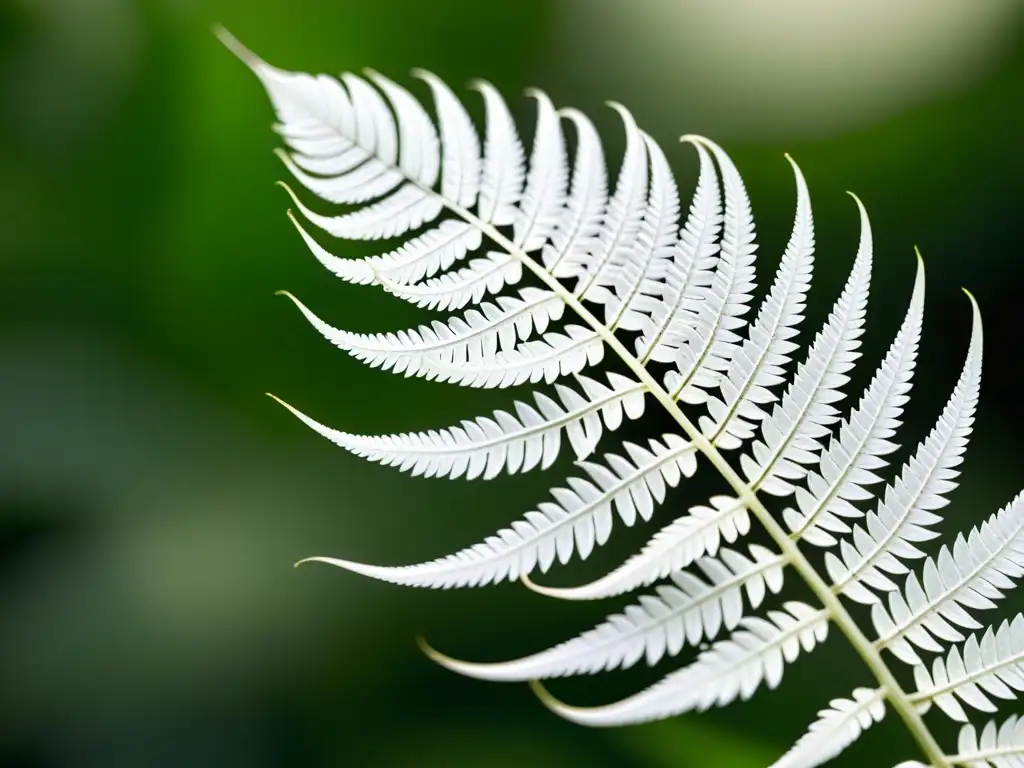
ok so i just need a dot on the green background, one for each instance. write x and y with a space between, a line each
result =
152 500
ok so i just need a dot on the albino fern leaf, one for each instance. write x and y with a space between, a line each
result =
792 434
485 446
836 728
620 226
701 531
982 669
907 508
730 669
687 278
997 746
684 613
713 340
476 336
760 361
578 518
614 278
971 576
580 224
504 164
854 455
421 257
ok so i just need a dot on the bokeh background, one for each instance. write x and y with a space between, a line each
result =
152 500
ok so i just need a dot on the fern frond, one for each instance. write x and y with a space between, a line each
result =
597 266
791 436
504 167
673 314
855 453
575 521
556 354
539 211
701 531
477 335
837 727
760 362
997 746
907 508
638 272
972 576
423 256
482 276
566 255
460 159
684 613
678 297
713 341
983 669
734 668
485 446
793 431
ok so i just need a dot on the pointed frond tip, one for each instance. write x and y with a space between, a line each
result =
556 705
467 668
234 45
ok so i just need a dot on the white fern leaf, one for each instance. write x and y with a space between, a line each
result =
680 614
701 531
791 435
345 130
369 181
477 335
755 654
760 362
907 508
458 288
638 274
580 224
460 164
408 208
557 354
375 127
992 667
685 294
425 255
620 226
969 577
837 727
704 360
997 746
687 278
578 518
413 203
419 145
504 166
485 446
855 453
810 396
544 197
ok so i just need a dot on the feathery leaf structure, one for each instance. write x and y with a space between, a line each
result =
625 276
836 728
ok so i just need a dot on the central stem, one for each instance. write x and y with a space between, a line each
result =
864 647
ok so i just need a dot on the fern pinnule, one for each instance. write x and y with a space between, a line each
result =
836 728
734 668
684 613
907 508
617 275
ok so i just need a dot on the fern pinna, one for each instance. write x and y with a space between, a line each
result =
623 271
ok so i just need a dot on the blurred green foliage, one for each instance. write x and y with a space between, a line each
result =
152 500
